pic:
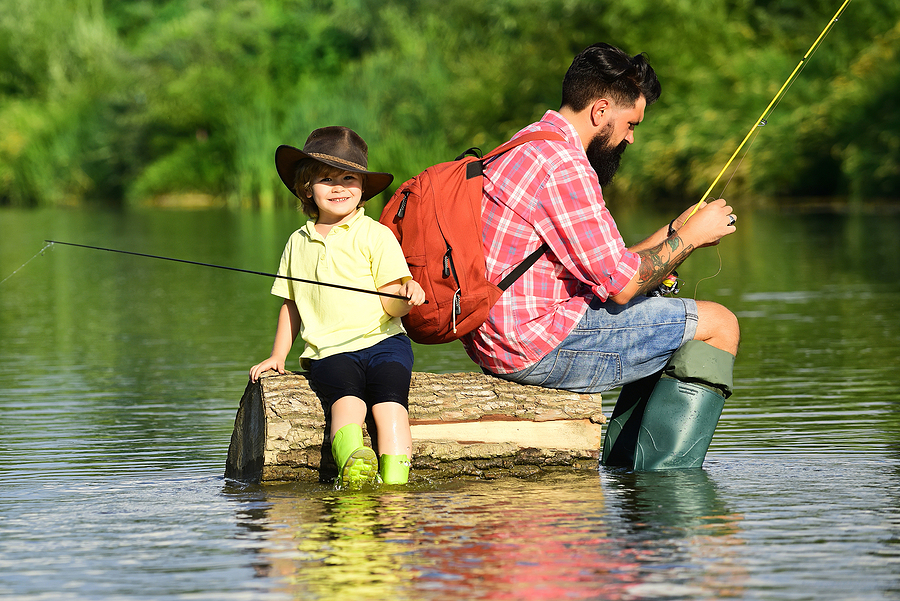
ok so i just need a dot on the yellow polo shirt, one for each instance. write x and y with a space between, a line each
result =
361 253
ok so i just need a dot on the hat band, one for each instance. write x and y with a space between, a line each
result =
328 157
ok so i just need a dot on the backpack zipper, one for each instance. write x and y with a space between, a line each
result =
402 210
449 268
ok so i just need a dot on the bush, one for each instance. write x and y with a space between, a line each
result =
153 98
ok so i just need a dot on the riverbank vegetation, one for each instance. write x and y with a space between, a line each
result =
155 101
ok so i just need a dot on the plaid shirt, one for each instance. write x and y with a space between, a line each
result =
545 191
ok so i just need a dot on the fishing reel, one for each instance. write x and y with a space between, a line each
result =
668 287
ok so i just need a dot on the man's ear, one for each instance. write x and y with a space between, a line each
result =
598 111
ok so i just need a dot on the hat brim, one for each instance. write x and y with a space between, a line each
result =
287 157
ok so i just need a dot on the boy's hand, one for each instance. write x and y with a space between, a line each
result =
413 291
270 363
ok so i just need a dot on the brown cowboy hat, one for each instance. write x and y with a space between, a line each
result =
337 146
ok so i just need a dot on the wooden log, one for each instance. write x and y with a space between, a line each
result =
463 424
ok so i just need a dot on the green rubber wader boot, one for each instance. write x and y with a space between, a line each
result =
625 423
678 425
357 463
666 421
394 469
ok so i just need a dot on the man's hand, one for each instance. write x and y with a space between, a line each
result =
662 253
708 225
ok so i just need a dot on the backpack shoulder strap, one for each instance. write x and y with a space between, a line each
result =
523 139
476 167
522 267
531 259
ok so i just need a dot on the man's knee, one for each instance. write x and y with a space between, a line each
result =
717 326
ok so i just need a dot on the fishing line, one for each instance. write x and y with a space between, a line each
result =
271 275
763 119
736 168
40 252
709 277
756 130
761 122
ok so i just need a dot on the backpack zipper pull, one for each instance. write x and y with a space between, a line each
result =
456 308
402 210
447 260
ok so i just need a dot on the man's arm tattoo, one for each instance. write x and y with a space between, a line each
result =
660 261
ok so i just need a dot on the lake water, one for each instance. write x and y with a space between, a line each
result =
120 378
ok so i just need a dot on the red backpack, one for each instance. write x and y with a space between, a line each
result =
436 217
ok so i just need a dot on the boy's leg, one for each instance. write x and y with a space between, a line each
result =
339 381
394 441
387 387
392 421
357 464
347 410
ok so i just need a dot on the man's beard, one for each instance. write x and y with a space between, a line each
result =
603 157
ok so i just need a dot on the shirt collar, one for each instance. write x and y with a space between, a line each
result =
557 121
310 226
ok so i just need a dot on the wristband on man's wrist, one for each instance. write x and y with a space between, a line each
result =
671 228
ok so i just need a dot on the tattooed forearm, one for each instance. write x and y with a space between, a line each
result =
660 261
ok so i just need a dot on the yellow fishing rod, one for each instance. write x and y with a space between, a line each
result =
765 115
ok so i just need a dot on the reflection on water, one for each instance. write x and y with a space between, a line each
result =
120 378
564 536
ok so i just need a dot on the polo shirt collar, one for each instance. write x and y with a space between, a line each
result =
310 225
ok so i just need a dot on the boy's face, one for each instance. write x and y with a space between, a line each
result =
337 194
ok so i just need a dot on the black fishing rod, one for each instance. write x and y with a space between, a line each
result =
271 275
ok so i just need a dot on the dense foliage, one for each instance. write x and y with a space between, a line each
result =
149 100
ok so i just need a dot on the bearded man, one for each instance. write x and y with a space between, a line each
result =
579 319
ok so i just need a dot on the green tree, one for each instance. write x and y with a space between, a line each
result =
149 99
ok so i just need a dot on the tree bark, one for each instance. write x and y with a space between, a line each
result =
463 424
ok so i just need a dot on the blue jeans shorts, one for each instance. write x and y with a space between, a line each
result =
615 344
376 374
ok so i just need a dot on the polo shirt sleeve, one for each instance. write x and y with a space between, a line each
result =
388 262
572 218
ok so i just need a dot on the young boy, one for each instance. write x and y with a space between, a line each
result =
357 352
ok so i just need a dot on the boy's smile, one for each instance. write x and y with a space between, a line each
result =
337 196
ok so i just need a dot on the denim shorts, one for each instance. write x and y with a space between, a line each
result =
376 374
615 344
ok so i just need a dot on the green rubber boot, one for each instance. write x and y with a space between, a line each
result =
667 420
357 463
394 469
678 425
625 423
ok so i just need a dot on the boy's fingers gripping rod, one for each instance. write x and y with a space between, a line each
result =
271 275
762 118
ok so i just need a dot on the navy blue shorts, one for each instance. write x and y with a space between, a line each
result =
376 374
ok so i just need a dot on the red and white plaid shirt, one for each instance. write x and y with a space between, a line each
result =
545 191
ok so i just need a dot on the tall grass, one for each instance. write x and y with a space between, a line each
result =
134 102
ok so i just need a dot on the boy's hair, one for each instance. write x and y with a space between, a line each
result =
306 171
604 71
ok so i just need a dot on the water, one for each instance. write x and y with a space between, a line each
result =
120 378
